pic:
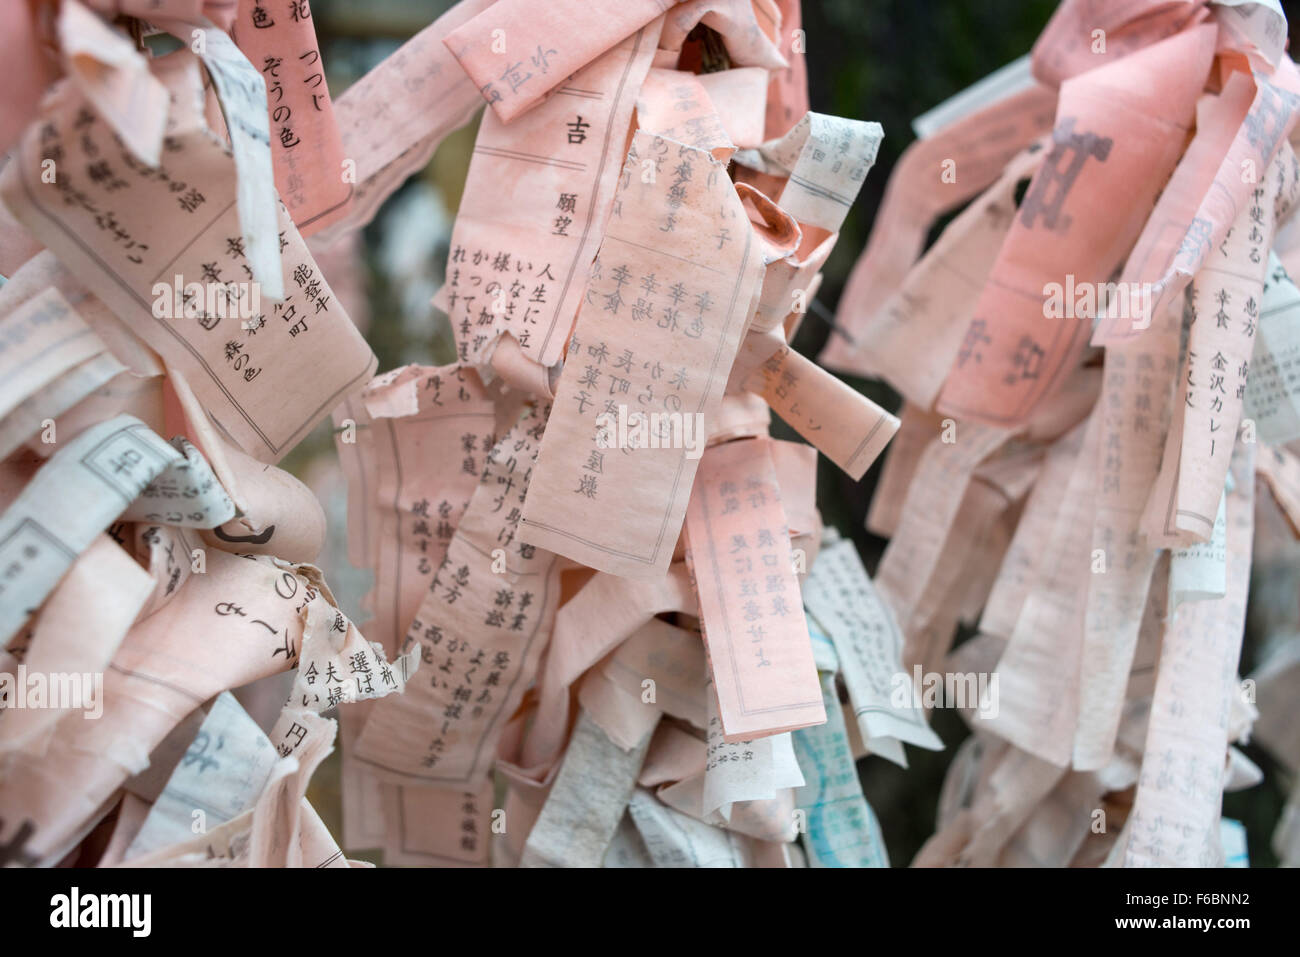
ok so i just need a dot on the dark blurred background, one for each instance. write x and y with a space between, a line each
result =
882 60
